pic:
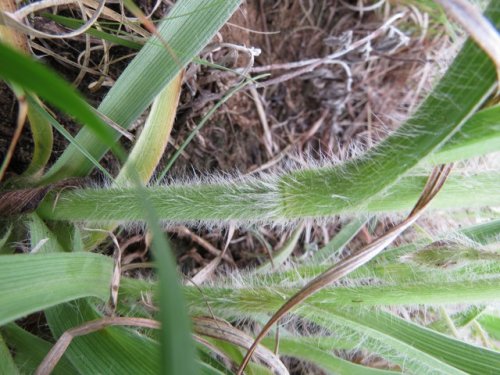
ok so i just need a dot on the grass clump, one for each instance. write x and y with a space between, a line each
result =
420 306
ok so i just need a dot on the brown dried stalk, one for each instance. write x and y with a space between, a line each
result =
54 355
203 326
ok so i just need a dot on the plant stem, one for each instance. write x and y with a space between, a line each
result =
258 200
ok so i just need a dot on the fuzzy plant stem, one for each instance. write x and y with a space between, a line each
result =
265 299
307 193
256 200
236 300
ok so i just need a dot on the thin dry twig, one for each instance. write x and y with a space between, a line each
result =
204 274
47 51
16 19
223 331
86 58
183 231
203 326
22 113
361 8
105 65
117 270
54 355
268 138
251 30
436 180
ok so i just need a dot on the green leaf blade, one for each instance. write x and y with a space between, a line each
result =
32 282
189 27
18 68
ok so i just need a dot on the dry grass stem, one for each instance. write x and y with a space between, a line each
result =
210 268
268 140
223 331
117 270
22 114
184 231
15 20
54 355
202 326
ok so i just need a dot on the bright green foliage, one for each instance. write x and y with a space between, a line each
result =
254 200
7 365
18 68
32 282
356 185
177 345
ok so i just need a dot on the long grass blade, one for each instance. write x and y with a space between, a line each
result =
42 140
57 351
224 331
5 236
117 349
42 112
478 26
189 27
114 350
18 68
322 309
491 324
255 201
484 233
354 261
479 135
178 350
325 360
58 278
337 243
7 365
75 24
282 254
465 357
247 301
30 351
149 147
